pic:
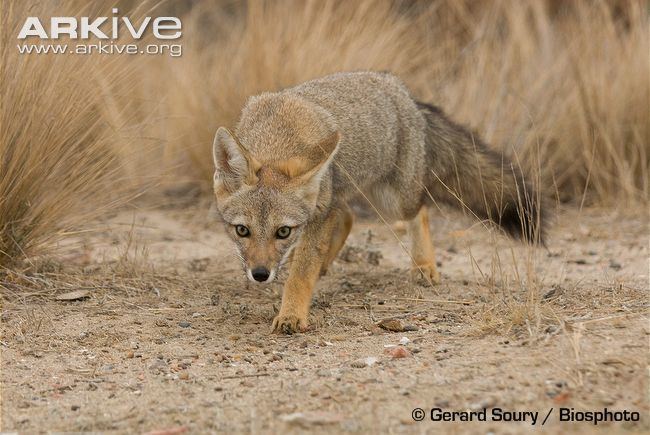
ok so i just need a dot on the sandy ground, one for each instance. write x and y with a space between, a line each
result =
168 335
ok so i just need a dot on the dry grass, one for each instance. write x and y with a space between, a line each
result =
560 87
230 55
63 137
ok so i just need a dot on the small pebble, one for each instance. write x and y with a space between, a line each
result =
398 352
184 324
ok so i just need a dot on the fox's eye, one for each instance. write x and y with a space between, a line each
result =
242 231
283 232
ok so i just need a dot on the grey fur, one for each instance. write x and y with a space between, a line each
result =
397 151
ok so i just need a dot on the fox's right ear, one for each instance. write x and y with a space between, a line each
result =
234 165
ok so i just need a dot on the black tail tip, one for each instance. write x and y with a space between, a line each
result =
526 222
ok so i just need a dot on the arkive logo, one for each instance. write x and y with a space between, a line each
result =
101 27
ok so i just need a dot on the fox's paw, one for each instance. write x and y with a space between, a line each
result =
289 324
428 272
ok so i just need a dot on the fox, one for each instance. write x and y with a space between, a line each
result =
285 178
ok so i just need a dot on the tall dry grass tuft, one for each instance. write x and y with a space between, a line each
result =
562 87
60 145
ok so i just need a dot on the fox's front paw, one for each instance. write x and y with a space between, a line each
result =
289 324
428 272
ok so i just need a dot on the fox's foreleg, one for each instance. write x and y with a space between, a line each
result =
307 260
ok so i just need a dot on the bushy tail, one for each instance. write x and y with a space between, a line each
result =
465 173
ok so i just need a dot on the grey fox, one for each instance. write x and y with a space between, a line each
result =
283 180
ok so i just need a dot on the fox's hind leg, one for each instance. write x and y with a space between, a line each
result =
422 248
340 232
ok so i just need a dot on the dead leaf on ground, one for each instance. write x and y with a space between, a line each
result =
393 325
76 295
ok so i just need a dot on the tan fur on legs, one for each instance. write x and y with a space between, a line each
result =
422 248
308 257
340 233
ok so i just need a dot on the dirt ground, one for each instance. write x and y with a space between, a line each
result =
167 334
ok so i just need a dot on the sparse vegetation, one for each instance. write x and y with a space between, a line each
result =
58 148
560 87
67 137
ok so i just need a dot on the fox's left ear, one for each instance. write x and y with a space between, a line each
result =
309 183
234 165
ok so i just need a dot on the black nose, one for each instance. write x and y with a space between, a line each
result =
260 274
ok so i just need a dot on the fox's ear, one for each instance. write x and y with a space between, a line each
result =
308 184
234 165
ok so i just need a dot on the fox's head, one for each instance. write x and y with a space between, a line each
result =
266 204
